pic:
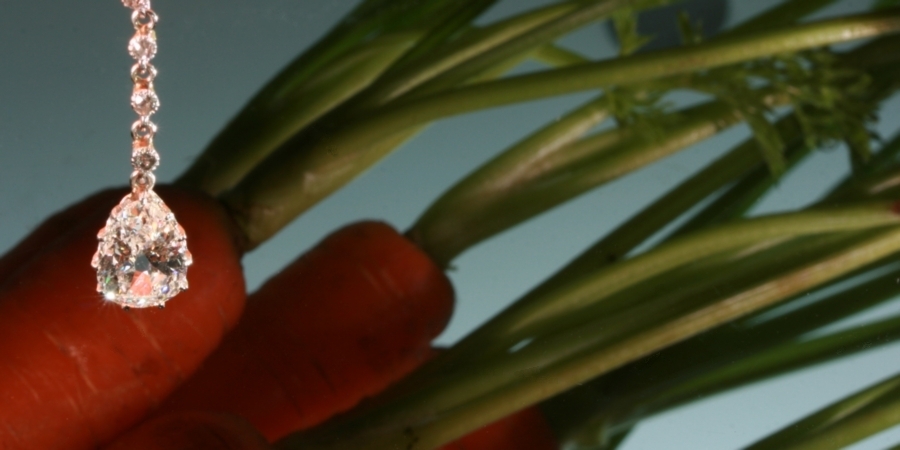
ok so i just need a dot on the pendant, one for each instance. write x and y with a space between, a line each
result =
142 257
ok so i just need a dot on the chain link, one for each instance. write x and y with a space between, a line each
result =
142 47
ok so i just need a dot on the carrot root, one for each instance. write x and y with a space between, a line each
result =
75 371
350 317
524 430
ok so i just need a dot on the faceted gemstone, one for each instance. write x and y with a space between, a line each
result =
144 101
145 159
142 257
142 47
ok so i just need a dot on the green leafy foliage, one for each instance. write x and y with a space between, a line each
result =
831 100
634 105
691 32
625 23
828 97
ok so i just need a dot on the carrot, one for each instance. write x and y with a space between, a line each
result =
74 371
351 316
192 431
524 430
55 227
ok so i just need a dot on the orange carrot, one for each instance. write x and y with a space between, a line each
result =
75 371
55 227
524 430
341 323
194 431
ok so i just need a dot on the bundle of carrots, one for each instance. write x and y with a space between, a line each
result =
353 315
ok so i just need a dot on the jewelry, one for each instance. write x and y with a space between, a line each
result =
142 257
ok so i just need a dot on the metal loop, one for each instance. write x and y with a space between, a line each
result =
143 73
143 129
144 20
142 181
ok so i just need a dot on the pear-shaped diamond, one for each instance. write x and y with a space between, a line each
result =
142 258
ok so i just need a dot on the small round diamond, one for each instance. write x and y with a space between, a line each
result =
145 159
144 102
142 47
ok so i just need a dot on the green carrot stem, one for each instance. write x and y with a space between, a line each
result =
398 82
537 174
556 56
618 399
738 199
655 300
687 289
471 210
530 315
784 358
742 160
881 51
786 326
723 346
783 14
215 169
596 294
621 393
886 158
624 410
841 423
310 166
396 426
874 178
575 174
652 65
544 383
475 193
265 124
882 185
590 11
459 18
366 18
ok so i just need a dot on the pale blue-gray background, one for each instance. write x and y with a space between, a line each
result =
64 118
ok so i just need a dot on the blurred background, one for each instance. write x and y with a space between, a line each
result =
64 121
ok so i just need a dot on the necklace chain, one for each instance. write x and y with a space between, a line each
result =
142 255
144 100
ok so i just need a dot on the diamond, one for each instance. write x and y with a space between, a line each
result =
142 47
145 159
144 101
142 257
